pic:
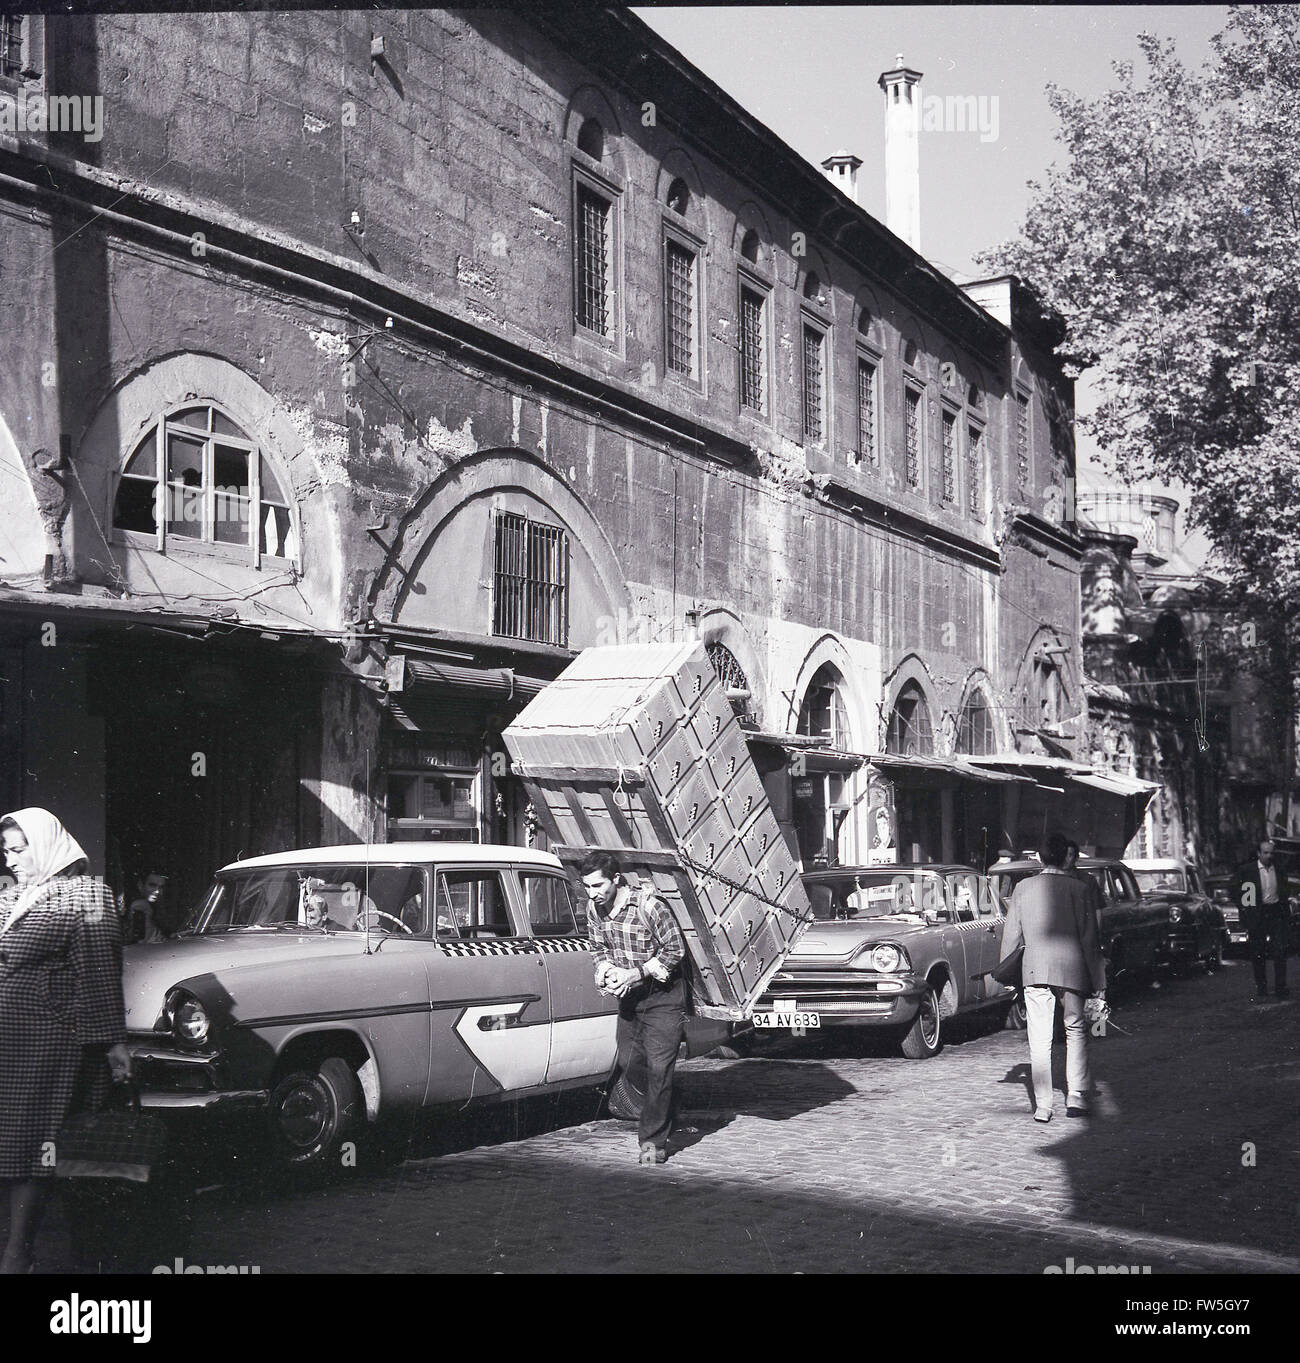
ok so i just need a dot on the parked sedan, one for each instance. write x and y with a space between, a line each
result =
319 992
894 947
1197 925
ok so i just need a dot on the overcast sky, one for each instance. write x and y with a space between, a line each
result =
809 73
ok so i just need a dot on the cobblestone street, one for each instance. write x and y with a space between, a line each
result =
834 1155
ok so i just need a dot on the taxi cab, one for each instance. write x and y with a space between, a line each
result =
325 990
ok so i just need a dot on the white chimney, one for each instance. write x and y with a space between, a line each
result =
902 87
842 171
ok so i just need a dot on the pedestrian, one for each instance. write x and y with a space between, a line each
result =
1051 916
147 916
1262 891
639 958
62 1030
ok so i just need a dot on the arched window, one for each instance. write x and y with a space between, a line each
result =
975 733
734 683
196 475
678 197
909 733
749 246
823 714
591 139
812 286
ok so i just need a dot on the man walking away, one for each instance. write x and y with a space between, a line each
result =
639 949
1094 890
1262 892
1052 917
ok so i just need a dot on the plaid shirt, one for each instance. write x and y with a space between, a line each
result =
640 928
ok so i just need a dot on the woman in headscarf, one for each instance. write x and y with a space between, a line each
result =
62 1032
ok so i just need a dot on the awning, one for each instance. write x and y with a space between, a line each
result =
960 766
814 754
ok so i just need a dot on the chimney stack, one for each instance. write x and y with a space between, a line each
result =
842 170
902 87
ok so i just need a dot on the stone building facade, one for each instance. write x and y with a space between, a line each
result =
367 366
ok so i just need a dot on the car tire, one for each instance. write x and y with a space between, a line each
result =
1213 961
1015 1017
924 1038
625 1100
313 1111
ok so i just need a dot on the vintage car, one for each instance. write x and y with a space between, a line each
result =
324 990
1136 928
902 947
1197 925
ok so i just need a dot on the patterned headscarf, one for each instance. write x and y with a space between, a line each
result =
52 847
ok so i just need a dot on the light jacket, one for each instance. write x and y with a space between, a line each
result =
1053 918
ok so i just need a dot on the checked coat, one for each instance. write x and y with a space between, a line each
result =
60 1008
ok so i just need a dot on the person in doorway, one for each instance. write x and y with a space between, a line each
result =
147 912
62 1028
1051 916
639 958
1263 892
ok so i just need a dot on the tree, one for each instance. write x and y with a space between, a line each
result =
1169 241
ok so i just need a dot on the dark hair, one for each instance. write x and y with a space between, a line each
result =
1072 846
599 862
7 823
1053 850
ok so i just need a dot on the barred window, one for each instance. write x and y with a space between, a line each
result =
814 395
530 597
594 261
912 434
752 345
680 307
975 470
975 732
867 411
11 44
1022 437
949 456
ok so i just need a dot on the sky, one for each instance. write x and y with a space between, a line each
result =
809 73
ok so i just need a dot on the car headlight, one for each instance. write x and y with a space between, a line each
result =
885 958
1176 913
187 1018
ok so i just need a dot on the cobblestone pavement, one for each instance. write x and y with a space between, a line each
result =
835 1155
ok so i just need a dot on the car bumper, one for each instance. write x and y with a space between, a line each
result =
169 1080
843 998
1181 946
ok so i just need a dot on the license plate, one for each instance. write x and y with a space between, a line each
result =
787 1020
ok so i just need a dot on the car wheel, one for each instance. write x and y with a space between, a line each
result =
1015 1017
313 1112
625 1100
1214 959
924 1037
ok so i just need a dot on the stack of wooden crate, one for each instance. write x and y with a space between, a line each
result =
635 749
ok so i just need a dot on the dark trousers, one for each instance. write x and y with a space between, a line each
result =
651 1020
1269 929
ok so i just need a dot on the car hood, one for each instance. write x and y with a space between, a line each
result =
836 940
149 970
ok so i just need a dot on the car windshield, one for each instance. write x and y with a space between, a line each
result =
1172 879
875 894
339 898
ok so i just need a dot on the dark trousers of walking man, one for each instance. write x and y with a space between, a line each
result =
651 1018
1269 930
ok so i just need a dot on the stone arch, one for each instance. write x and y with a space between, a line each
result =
137 402
750 217
867 323
829 649
589 101
911 334
980 684
814 263
722 626
452 515
911 671
1047 637
678 165
24 541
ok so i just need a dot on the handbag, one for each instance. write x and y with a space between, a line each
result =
111 1143
1011 970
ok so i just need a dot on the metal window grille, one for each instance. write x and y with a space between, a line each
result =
11 45
530 598
949 457
593 261
812 385
681 308
1022 437
867 411
751 350
913 437
975 470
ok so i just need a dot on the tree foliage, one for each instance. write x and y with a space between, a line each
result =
1169 240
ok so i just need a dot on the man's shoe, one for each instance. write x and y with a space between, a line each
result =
652 1154
1042 1114
1077 1107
